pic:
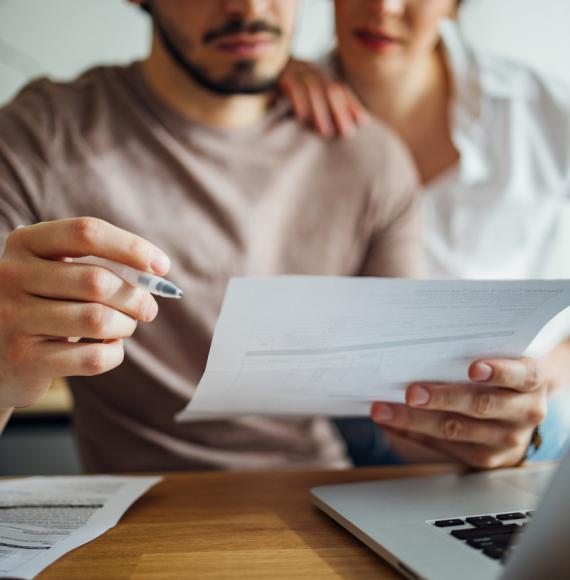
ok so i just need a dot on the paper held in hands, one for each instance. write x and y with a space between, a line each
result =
298 346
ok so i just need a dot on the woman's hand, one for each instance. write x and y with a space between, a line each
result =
319 101
485 425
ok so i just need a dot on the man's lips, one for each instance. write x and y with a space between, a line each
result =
246 45
376 39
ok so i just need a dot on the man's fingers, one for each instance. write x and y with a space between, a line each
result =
479 401
63 318
61 359
471 454
449 426
522 374
85 236
80 282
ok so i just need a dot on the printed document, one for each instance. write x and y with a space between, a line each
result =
42 518
296 345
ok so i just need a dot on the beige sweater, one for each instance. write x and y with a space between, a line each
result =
271 199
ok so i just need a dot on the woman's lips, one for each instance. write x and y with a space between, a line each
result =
376 40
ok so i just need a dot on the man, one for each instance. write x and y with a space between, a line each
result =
192 151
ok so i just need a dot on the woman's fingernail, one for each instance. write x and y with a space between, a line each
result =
383 413
418 396
481 372
160 262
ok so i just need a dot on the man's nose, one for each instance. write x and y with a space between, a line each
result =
246 9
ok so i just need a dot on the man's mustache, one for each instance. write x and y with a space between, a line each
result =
234 27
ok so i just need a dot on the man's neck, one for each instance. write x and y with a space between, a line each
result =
174 87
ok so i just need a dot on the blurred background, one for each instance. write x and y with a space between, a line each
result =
63 37
60 38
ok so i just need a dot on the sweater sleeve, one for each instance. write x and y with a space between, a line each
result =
27 138
395 248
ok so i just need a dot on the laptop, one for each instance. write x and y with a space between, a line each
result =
475 526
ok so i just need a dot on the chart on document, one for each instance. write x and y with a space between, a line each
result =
302 345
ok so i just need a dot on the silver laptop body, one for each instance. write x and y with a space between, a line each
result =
397 519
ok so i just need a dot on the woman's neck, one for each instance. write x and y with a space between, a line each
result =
416 105
398 98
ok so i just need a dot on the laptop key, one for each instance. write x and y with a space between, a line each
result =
495 553
480 545
471 533
480 521
511 516
449 523
488 541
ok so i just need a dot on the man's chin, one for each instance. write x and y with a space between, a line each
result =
242 81
253 88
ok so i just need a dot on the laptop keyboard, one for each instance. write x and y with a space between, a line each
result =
494 535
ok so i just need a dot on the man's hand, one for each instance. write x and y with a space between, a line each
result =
485 425
44 300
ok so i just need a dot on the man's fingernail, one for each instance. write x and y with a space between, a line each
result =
160 262
383 413
481 372
418 395
151 311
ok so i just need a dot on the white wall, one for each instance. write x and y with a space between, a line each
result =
62 37
534 31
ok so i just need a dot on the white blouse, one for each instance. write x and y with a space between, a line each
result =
501 213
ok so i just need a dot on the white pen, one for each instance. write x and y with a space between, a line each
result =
150 282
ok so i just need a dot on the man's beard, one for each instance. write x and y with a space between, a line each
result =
241 81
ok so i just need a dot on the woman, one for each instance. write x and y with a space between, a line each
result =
491 141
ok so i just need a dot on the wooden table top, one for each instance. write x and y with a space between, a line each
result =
233 525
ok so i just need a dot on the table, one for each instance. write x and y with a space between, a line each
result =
233 525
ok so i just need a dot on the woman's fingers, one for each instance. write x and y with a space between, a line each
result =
341 109
320 109
296 92
320 101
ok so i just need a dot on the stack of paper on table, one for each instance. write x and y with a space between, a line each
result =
331 346
42 518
